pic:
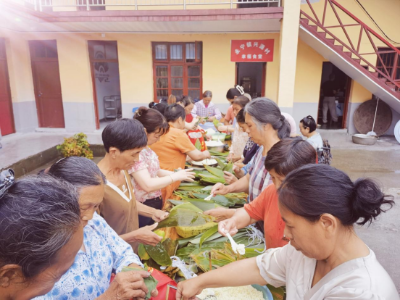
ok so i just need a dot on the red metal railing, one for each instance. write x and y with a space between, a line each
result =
388 56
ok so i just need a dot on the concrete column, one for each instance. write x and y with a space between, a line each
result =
289 36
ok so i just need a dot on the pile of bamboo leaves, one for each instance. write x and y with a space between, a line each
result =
193 237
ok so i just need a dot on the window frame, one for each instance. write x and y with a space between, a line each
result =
169 62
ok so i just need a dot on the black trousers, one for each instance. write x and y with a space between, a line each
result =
156 203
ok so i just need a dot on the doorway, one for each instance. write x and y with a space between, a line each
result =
6 111
251 76
337 104
106 83
47 85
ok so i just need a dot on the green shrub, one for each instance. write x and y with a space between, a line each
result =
76 145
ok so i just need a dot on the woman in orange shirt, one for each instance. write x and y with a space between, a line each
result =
173 147
285 156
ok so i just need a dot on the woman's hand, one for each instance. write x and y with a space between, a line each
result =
145 235
210 119
184 175
220 213
229 157
188 289
238 165
127 285
228 225
206 154
220 189
229 177
159 215
222 128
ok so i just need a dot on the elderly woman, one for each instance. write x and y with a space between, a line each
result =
325 258
148 177
102 250
123 140
206 110
285 156
265 126
39 237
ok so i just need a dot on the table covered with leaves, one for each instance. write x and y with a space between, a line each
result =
191 242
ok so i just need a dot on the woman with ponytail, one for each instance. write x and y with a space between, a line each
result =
148 178
325 259
265 126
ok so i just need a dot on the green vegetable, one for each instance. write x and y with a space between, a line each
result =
150 282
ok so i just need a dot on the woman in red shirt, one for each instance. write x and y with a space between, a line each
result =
285 156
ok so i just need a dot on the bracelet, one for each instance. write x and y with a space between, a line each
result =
172 181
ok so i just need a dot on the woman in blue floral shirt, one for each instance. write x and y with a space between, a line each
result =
103 252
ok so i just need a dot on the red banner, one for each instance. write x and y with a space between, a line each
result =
252 50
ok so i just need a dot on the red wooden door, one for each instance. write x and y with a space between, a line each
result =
6 112
46 79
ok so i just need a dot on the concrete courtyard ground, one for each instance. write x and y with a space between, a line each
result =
381 162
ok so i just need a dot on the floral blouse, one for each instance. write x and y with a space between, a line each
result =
89 276
148 159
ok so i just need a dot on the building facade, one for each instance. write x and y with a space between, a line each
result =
74 65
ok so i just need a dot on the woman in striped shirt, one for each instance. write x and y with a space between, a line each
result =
265 126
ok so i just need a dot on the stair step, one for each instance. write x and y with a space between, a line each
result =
357 60
338 48
348 54
330 41
382 79
322 34
313 27
305 21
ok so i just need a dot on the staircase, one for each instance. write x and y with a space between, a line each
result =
354 48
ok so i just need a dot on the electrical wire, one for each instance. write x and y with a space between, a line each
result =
376 23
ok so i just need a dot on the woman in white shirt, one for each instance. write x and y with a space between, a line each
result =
325 258
308 130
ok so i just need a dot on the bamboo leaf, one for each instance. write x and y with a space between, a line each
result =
208 234
215 171
159 254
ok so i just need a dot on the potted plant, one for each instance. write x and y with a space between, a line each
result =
76 145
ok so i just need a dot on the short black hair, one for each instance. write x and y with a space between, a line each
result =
309 122
240 118
78 171
314 190
174 112
290 154
124 134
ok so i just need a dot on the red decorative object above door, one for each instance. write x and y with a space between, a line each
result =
252 50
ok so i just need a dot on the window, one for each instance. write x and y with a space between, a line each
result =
388 63
177 70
